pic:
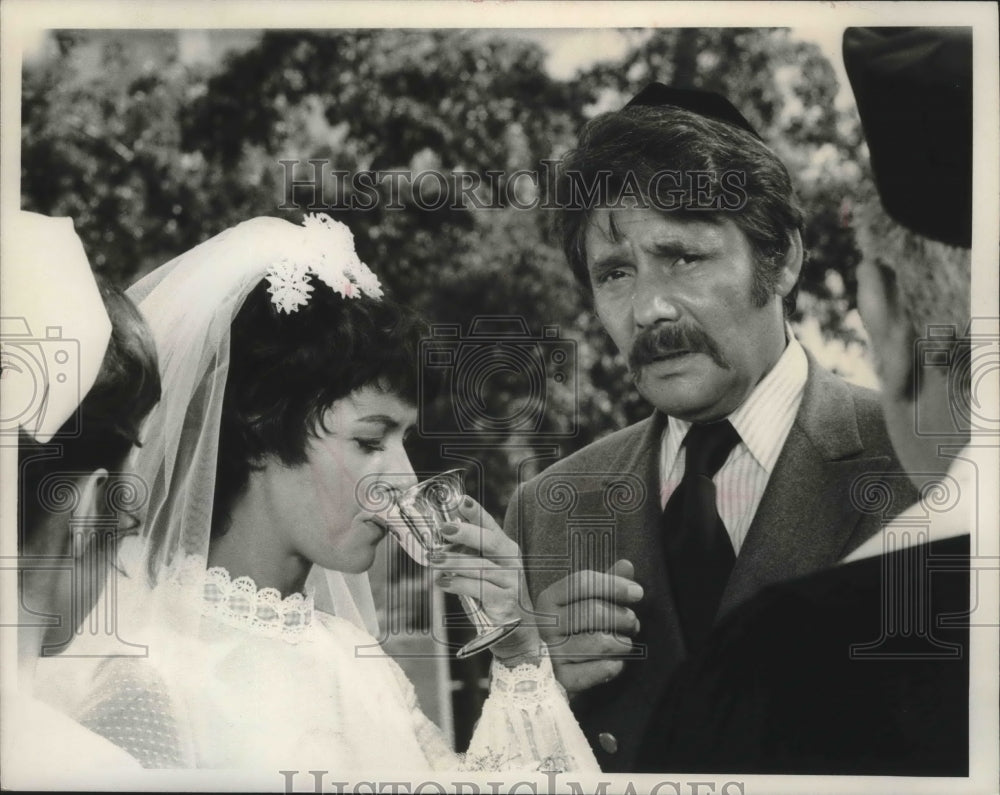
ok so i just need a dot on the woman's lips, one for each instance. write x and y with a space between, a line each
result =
379 524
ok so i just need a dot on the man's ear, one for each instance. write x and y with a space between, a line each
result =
92 495
791 266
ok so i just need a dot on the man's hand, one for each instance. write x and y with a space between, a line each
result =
593 626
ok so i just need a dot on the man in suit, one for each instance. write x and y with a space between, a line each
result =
863 669
683 227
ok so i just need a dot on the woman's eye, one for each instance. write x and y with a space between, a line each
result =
370 445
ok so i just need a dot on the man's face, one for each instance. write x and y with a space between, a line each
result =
675 296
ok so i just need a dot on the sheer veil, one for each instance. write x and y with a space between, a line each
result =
190 304
194 691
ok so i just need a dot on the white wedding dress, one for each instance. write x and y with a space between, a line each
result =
226 676
272 684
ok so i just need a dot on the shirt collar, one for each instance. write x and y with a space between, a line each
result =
764 419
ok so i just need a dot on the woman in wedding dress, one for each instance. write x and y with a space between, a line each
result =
245 624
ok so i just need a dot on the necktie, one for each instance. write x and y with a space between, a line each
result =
699 552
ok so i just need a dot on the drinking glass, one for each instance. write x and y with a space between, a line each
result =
422 510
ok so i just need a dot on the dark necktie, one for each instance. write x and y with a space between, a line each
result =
699 553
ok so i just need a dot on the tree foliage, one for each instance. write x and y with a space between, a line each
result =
151 152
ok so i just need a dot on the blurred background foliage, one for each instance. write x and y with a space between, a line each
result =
153 141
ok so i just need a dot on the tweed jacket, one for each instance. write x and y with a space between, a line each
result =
836 481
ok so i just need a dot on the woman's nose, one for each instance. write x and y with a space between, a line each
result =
400 474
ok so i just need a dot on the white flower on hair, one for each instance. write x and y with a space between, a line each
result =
327 251
290 286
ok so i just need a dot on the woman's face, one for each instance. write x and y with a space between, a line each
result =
318 511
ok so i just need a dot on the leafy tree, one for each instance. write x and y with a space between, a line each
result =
150 152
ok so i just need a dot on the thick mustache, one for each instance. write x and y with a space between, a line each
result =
666 339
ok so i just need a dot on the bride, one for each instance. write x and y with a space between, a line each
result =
288 382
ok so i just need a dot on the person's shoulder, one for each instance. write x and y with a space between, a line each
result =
48 744
598 453
759 628
346 636
840 601
349 638
865 403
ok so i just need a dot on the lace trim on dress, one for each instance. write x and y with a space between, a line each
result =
520 728
524 684
241 604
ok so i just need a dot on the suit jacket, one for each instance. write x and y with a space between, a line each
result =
602 504
862 669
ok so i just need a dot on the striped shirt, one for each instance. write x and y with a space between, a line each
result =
763 422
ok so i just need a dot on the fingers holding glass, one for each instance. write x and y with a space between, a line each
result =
429 524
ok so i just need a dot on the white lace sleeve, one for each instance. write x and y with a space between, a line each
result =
527 725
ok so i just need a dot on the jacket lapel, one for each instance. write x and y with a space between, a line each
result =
621 707
638 538
635 536
660 640
806 517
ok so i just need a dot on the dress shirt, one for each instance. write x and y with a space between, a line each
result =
763 421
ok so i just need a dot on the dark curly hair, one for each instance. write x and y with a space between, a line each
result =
635 145
287 370
106 425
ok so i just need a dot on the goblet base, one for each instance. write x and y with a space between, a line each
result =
487 639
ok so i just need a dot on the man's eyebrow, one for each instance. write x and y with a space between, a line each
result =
612 260
673 244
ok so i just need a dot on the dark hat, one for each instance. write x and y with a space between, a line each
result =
704 103
913 88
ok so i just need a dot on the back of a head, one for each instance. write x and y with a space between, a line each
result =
914 93
106 425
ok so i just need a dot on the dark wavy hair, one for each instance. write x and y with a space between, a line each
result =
633 146
106 425
287 370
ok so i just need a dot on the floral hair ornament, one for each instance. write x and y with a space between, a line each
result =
326 250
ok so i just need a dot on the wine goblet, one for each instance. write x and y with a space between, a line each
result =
422 510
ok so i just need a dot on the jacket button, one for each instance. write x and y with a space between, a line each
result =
608 742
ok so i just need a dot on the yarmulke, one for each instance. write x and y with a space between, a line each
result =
55 327
913 87
704 103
